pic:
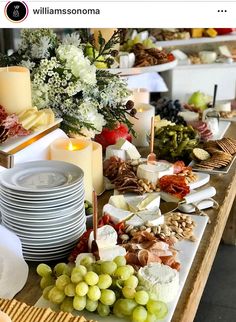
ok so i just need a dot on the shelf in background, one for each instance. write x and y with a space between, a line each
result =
195 41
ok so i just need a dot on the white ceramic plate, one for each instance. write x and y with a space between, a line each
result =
223 127
42 176
202 179
39 195
52 204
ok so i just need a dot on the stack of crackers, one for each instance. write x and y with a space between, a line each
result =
221 154
21 312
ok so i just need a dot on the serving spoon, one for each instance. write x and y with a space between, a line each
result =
151 158
94 246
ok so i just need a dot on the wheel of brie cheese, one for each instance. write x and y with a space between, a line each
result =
161 280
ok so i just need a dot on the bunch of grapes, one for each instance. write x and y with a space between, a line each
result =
168 109
104 287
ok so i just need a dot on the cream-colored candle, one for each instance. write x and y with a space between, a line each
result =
15 89
140 95
106 34
97 168
78 152
142 124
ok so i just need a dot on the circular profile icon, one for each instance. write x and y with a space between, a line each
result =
16 11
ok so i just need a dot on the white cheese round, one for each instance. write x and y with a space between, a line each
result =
153 172
223 107
112 150
161 280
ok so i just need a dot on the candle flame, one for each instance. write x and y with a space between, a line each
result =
140 110
71 147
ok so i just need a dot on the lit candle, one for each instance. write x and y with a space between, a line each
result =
142 124
15 89
78 152
106 34
97 168
140 95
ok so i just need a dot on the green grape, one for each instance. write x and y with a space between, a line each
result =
43 270
46 291
68 269
79 302
151 317
116 310
120 261
59 269
108 297
78 273
128 292
81 289
104 281
67 305
97 268
56 296
86 261
132 281
158 308
91 306
94 293
123 272
62 281
91 278
108 267
126 306
103 310
141 297
131 269
46 281
69 290
139 314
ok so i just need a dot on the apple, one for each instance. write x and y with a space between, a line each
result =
199 100
109 137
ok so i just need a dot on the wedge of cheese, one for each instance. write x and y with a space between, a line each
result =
118 201
151 201
117 215
131 151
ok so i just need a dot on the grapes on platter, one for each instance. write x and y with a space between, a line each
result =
168 110
113 289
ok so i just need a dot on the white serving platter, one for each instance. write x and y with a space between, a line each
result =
223 127
12 143
141 70
187 252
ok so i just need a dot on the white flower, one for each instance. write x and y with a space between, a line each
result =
41 49
73 39
28 64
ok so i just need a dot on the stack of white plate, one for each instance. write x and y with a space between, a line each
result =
43 203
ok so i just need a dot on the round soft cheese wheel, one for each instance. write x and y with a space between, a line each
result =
4 317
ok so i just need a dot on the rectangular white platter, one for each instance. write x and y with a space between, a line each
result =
13 143
223 127
187 252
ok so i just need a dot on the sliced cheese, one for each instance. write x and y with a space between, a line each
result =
117 215
151 201
109 253
118 201
151 218
106 236
135 221
160 280
131 151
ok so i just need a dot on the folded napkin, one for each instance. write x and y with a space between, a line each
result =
13 268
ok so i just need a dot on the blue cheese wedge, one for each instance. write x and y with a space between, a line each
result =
118 201
161 280
106 236
131 151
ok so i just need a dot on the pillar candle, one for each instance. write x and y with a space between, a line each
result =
97 168
78 152
142 124
15 89
140 95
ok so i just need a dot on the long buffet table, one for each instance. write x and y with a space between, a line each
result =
218 228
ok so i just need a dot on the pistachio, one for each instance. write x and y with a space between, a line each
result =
129 228
124 237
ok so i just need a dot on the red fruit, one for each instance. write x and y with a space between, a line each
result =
109 137
224 31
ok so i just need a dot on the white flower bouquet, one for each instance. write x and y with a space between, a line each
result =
66 80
